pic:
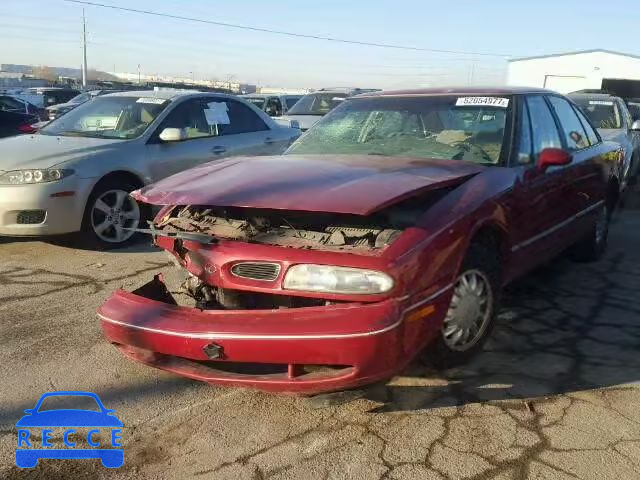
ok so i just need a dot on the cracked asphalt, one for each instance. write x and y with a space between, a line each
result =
554 396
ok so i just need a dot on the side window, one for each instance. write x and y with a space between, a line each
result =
242 120
591 132
524 143
626 116
575 136
190 116
274 107
543 126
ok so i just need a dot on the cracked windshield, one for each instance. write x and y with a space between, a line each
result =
319 240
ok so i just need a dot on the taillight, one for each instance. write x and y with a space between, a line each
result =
27 128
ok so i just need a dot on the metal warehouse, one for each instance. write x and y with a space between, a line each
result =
584 70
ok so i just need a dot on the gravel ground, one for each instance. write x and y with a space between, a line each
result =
552 397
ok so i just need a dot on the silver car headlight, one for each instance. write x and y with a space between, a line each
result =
22 177
331 279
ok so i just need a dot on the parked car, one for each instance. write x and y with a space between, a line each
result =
76 174
10 103
16 123
613 120
43 97
389 227
55 111
275 105
313 106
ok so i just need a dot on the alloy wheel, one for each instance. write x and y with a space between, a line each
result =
112 214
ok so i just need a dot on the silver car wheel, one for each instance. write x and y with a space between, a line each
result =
470 311
111 213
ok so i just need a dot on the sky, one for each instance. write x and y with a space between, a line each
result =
49 32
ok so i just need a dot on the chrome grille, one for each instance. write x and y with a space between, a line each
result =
256 270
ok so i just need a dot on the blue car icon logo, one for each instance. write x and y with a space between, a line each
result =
99 421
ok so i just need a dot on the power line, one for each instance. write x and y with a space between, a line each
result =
280 32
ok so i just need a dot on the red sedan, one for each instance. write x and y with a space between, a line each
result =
387 229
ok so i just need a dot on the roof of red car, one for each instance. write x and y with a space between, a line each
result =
458 91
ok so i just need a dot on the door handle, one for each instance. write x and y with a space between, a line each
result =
269 140
218 150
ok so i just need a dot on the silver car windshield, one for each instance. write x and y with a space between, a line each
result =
602 113
108 117
439 127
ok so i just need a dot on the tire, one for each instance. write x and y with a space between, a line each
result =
109 213
633 171
466 313
593 246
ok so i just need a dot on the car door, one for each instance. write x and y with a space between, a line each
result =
248 134
583 175
540 209
201 144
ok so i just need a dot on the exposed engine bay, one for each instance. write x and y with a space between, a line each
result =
298 229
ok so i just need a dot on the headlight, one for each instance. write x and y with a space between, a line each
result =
21 177
330 279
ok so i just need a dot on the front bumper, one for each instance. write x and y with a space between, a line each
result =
303 350
63 210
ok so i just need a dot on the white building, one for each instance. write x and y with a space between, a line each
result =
568 72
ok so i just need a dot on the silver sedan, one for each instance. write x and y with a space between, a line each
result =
75 175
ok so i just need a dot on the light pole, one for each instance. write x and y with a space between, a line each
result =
138 73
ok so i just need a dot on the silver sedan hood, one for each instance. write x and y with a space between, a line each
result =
44 151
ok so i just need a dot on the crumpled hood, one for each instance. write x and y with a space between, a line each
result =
352 184
45 151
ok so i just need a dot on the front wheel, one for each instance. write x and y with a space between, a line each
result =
472 310
111 214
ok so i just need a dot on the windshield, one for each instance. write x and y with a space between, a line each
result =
602 113
108 117
424 127
291 101
8 103
317 103
257 101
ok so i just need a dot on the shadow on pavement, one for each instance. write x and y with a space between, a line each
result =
564 328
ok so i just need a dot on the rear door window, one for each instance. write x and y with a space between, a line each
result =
543 125
241 119
574 134
591 132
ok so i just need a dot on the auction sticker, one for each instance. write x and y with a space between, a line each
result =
482 102
600 102
154 101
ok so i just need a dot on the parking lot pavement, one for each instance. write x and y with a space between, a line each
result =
553 397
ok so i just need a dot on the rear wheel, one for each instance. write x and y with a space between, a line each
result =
111 214
472 310
594 244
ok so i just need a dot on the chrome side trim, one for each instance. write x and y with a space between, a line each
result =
556 227
223 336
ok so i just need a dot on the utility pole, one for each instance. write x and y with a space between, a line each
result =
138 73
84 51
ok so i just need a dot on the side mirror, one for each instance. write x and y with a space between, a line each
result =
294 124
636 126
173 135
553 157
29 410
